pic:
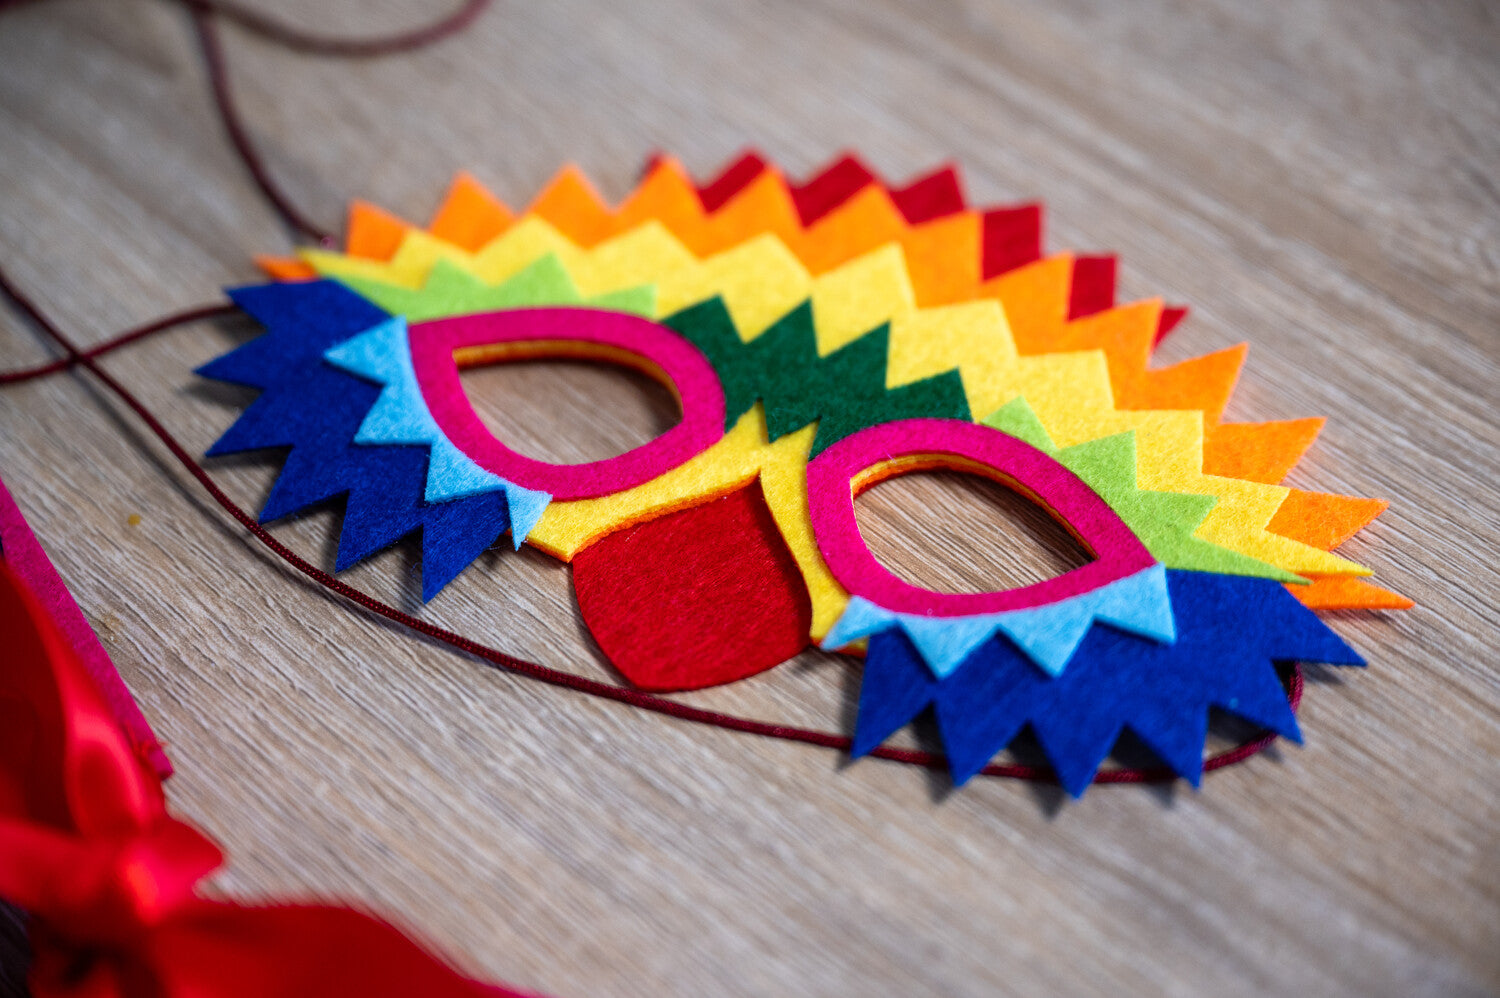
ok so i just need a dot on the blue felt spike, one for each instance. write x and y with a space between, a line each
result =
980 711
1180 745
302 319
317 410
1230 631
384 502
1077 742
378 354
1049 634
894 688
456 533
258 427
392 422
1140 604
317 467
1260 697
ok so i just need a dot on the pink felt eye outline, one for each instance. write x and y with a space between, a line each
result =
843 470
582 332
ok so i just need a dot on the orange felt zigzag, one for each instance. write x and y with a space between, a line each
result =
943 261
1325 520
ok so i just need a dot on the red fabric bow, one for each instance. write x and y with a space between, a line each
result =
108 877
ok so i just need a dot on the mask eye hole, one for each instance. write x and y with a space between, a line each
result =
546 407
842 471
440 347
959 532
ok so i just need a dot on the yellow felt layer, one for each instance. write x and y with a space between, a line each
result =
740 457
760 280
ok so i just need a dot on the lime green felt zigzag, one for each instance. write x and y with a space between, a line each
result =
451 290
1164 521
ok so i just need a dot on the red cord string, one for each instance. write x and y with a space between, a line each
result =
347 48
203 13
114 343
218 80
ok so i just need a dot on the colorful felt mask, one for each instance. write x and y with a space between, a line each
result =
817 340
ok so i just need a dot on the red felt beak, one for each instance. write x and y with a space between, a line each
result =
697 597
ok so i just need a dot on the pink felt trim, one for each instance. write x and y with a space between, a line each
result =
691 375
830 493
24 554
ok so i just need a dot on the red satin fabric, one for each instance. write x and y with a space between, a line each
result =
108 877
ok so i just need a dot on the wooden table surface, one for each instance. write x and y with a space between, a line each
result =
1320 178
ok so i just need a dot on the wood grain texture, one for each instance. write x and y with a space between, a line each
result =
1315 177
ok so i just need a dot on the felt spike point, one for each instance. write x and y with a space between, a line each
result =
450 542
1012 239
470 216
1258 452
284 268
524 507
1093 285
571 203
935 195
1324 520
831 187
1171 318
373 233
860 619
1180 745
732 179
1343 593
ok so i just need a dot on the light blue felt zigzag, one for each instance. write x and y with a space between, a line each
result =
400 417
1048 635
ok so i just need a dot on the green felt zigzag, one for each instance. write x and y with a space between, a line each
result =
843 392
451 290
1164 521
